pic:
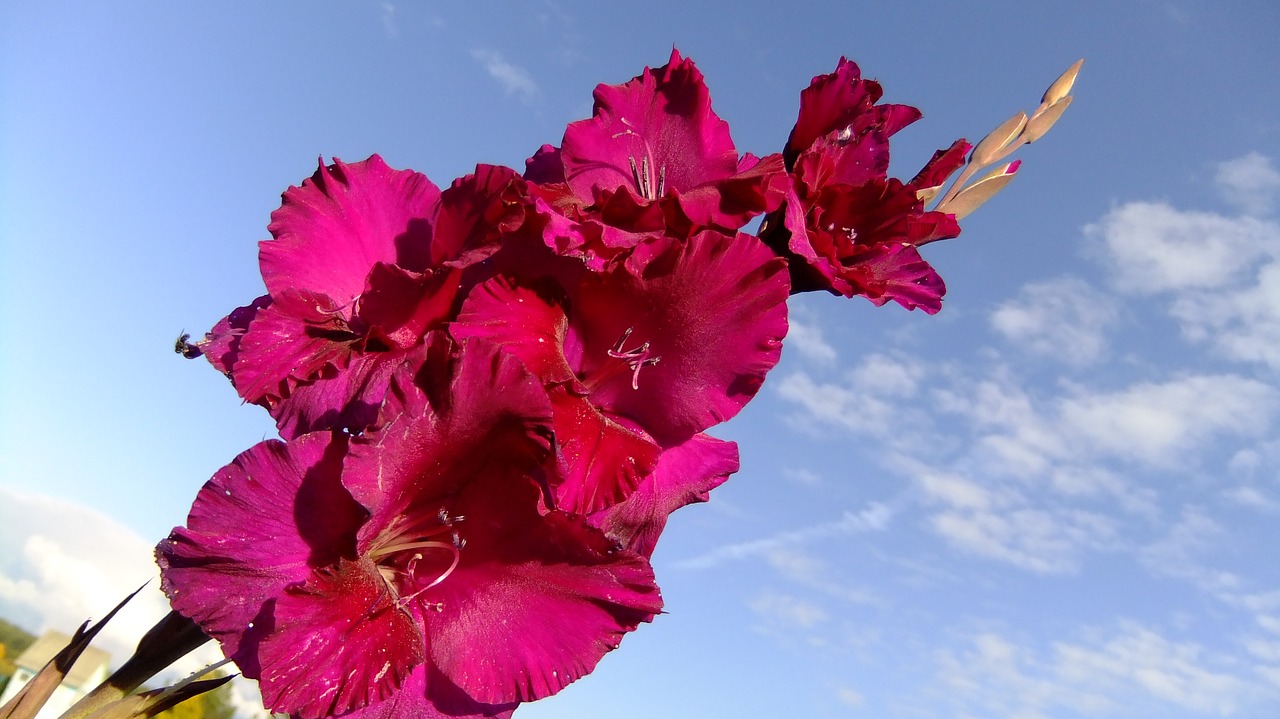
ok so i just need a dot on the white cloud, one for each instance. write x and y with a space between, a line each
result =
1064 319
65 563
1222 273
1010 479
1163 423
1247 496
1037 540
806 570
1133 671
802 476
849 697
807 339
870 400
788 610
1171 672
1249 182
1178 553
1242 321
387 11
1153 247
874 517
513 78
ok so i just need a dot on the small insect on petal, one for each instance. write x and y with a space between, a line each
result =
185 348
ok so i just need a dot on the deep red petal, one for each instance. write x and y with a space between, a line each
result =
338 642
537 600
601 462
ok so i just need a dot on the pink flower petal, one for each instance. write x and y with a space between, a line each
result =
474 213
259 525
684 341
293 339
428 694
685 474
662 123
898 273
330 232
527 320
843 102
470 410
537 600
600 461
338 643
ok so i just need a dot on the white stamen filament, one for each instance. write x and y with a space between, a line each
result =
634 358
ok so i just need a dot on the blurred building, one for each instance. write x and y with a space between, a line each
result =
88 672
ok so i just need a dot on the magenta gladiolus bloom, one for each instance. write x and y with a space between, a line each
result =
411 571
847 226
654 159
642 357
364 262
492 397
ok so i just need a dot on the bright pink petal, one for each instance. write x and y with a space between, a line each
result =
399 306
545 167
290 341
332 230
684 341
221 345
468 411
428 694
898 273
732 202
258 526
941 166
662 124
599 461
348 400
537 600
685 474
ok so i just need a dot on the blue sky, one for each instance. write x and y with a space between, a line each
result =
1056 498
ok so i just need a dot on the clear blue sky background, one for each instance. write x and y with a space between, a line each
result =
1057 498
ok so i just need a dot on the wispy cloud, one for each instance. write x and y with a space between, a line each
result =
873 517
1064 319
1249 182
806 338
387 12
1154 247
64 563
788 610
1131 671
514 79
1220 274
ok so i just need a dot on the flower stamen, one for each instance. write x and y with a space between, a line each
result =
634 358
